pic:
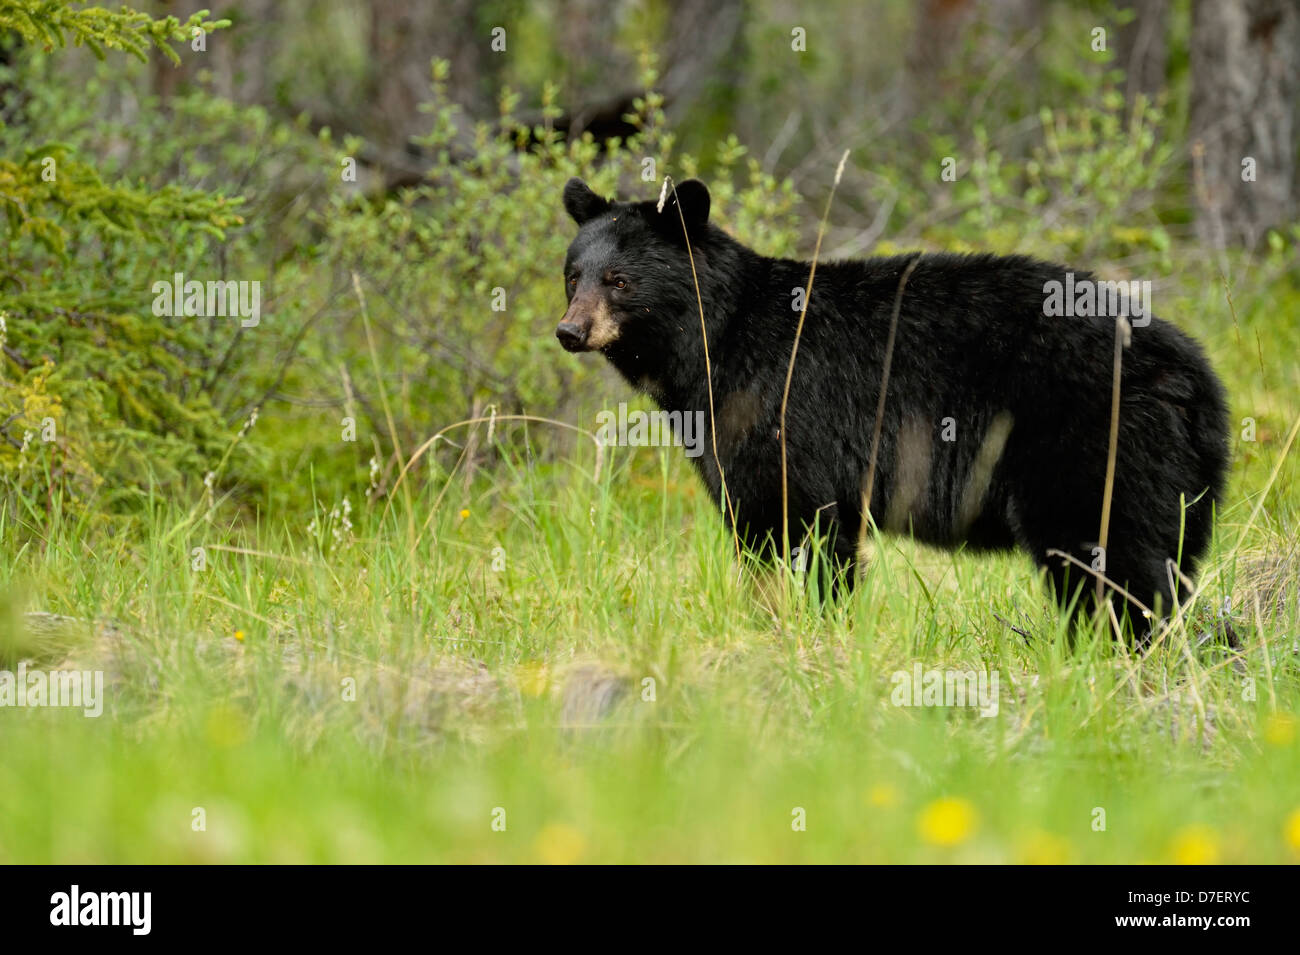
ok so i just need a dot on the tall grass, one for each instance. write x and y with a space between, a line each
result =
553 658
618 693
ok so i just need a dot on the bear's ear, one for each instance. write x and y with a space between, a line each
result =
694 198
581 203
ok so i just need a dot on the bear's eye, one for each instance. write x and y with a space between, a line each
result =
573 281
620 284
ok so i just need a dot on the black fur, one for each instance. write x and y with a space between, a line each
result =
973 345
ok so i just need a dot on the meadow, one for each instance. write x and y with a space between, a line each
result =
561 661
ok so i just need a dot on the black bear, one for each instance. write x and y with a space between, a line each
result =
997 415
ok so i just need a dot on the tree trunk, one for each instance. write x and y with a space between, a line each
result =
1245 61
935 44
1140 48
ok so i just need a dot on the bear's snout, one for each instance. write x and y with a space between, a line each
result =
571 335
588 325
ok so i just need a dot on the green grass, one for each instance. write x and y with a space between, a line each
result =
525 688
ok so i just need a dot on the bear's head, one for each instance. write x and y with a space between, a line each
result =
628 274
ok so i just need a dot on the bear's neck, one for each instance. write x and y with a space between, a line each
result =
737 289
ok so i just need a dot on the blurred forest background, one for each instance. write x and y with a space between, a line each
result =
421 147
